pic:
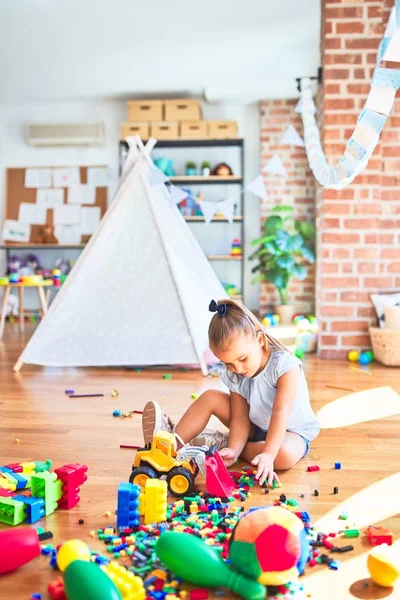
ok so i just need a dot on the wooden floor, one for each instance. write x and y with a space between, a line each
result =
360 429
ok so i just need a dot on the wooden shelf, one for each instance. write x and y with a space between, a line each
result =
41 246
211 179
200 219
224 257
184 143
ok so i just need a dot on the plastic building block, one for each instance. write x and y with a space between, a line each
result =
316 493
199 594
343 516
129 585
338 465
17 547
218 480
5 493
56 589
156 501
5 470
41 467
12 512
5 484
335 490
304 516
334 565
313 468
15 467
379 535
21 482
28 467
128 505
72 476
47 487
351 533
34 508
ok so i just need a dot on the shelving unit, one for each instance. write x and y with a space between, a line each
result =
233 180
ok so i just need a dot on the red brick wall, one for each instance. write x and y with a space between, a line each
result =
358 227
297 190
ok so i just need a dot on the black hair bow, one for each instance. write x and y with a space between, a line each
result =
219 308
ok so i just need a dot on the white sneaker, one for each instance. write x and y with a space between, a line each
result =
153 420
211 437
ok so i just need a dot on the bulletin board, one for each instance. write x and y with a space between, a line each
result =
16 193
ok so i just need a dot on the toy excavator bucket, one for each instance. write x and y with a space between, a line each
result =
218 480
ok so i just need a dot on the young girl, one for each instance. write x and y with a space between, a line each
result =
267 411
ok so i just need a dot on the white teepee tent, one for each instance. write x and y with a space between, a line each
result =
139 293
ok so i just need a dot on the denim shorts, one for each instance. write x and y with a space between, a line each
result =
259 435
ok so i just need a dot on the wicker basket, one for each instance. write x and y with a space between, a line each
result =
386 345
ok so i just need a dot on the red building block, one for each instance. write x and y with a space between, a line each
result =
218 479
16 467
5 493
56 589
72 476
313 468
379 535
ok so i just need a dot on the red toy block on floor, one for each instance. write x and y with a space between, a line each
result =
379 535
218 480
313 468
16 467
5 493
72 477
56 589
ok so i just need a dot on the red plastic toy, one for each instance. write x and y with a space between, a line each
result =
72 477
379 535
218 480
313 468
17 547
56 589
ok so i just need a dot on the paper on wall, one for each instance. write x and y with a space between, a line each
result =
66 176
258 188
227 208
49 198
208 209
275 167
67 214
364 134
14 231
291 137
37 178
32 214
98 176
90 219
393 50
68 234
82 194
380 99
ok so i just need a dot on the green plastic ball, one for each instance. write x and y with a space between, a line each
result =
299 353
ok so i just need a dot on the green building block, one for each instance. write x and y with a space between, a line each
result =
40 467
351 533
292 502
47 486
12 511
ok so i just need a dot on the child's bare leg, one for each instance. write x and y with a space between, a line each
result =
292 450
195 419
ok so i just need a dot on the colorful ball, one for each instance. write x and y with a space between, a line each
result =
299 352
297 318
70 551
269 545
266 321
383 564
353 356
364 358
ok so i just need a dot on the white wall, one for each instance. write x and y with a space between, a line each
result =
14 152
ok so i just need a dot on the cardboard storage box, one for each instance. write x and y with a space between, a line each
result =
145 110
165 130
194 130
142 129
182 110
222 129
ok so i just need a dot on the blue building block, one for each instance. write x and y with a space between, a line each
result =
5 470
338 465
334 565
128 505
305 517
22 482
34 507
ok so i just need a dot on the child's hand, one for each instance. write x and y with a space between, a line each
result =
229 456
265 468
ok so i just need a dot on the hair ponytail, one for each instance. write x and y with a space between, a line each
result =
238 320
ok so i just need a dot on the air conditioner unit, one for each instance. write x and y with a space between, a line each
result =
65 134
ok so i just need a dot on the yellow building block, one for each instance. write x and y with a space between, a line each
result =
28 467
7 485
129 585
155 510
142 502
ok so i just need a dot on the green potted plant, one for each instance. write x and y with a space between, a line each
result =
191 168
286 244
205 168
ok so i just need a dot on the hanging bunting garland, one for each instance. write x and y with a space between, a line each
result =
373 117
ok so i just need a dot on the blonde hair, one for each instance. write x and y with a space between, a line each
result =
238 320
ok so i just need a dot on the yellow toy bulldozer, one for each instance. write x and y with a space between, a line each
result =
161 459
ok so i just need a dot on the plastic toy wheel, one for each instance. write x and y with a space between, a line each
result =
180 481
140 475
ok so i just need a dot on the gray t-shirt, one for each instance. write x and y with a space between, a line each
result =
260 391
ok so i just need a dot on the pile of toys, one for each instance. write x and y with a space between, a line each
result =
271 320
307 334
29 491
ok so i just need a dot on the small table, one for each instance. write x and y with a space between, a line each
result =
39 285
